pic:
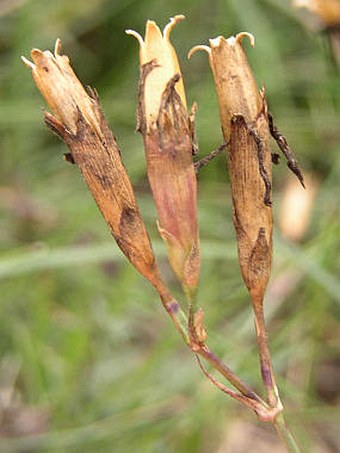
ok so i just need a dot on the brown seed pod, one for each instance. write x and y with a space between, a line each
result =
167 131
243 114
78 119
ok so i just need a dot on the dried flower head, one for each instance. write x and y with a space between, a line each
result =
78 119
243 114
164 122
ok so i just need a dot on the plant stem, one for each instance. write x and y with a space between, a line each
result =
249 402
229 374
264 352
176 314
182 324
268 378
285 434
271 412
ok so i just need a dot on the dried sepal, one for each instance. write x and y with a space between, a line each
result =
199 331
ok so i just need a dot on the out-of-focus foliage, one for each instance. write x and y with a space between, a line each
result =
88 360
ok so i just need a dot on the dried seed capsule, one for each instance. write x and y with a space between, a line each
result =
164 122
245 128
78 119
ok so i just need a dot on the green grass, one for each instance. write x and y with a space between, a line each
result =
84 343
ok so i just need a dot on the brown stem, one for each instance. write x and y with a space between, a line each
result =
249 402
186 329
173 308
229 374
265 359
199 347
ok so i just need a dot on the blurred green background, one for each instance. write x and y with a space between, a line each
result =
88 359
